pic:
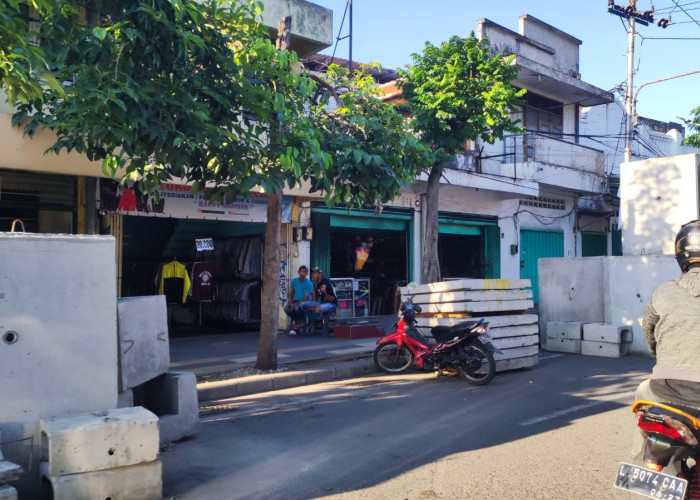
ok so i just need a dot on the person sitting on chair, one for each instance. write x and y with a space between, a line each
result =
300 295
324 296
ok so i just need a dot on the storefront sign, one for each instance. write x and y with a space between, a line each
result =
178 200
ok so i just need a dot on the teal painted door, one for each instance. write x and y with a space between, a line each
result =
534 245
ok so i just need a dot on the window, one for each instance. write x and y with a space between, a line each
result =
543 115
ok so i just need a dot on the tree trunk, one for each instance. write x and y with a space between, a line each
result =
267 347
431 261
269 324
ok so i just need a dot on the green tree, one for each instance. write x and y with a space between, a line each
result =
194 90
456 92
24 70
693 138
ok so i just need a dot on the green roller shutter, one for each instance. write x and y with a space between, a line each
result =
534 245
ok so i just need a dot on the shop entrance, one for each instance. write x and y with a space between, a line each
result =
461 256
366 256
216 284
469 247
376 261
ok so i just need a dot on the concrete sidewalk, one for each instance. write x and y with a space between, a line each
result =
223 363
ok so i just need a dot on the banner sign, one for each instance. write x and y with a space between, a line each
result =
178 200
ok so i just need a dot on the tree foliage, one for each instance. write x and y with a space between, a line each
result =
693 138
456 92
194 90
24 71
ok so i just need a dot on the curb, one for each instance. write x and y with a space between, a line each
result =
253 384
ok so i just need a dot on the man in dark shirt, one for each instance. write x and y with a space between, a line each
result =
324 296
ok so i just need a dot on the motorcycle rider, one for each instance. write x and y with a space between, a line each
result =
671 327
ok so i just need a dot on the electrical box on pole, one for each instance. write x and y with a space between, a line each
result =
645 18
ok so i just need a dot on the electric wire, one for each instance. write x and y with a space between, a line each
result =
686 13
340 29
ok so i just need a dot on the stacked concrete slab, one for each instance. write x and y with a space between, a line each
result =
144 359
107 454
501 302
589 339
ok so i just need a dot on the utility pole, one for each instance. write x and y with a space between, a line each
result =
630 87
633 16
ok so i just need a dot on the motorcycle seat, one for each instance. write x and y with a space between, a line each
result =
445 333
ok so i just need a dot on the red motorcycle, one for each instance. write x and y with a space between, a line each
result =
671 453
464 348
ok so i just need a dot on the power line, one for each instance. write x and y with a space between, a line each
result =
686 12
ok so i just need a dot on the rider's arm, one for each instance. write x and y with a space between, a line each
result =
651 317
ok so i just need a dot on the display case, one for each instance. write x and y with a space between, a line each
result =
344 293
361 297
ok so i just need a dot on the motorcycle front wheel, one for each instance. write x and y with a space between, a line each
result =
389 358
478 366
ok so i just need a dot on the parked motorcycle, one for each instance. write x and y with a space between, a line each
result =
464 348
671 454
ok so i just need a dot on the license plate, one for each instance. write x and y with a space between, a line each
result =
649 483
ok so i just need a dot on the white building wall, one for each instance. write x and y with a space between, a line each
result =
566 56
603 127
657 196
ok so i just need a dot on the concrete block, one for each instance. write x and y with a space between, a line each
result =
603 332
7 492
144 351
143 481
99 440
564 330
58 337
571 346
604 349
516 363
173 397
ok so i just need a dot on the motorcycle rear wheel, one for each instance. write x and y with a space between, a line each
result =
392 360
479 366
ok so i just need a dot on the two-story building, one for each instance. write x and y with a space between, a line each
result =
502 206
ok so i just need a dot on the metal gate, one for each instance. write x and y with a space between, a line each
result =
534 245
594 244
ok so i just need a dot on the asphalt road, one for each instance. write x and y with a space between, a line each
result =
556 431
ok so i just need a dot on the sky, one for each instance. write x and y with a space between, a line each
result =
389 31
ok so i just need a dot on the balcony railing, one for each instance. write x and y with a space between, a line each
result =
546 150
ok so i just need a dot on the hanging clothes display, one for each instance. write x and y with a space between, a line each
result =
203 284
173 282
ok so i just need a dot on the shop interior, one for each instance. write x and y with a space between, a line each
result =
461 256
208 286
373 264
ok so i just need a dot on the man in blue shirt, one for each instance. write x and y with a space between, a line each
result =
300 293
